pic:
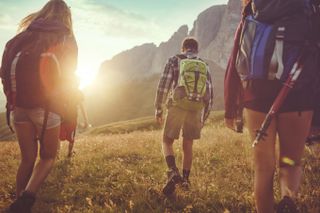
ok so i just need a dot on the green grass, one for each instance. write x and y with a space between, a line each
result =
125 173
142 124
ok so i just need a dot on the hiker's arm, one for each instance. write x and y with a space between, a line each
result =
84 115
164 86
232 84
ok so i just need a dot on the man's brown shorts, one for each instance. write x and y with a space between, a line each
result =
188 121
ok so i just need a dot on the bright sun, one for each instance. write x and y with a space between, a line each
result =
86 75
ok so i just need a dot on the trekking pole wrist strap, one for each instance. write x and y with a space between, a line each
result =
159 112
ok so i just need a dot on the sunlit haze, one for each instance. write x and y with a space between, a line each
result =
104 28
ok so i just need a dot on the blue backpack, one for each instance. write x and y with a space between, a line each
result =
274 35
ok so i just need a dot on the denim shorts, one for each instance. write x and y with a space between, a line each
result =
262 94
35 116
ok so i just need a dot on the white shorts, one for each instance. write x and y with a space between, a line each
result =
35 116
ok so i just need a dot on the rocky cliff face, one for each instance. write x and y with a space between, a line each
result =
167 49
220 47
214 28
138 69
207 25
145 59
129 63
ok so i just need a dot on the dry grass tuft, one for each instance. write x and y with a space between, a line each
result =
125 173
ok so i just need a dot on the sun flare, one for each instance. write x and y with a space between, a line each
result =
86 75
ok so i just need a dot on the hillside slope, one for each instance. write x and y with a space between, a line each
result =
125 173
133 99
5 133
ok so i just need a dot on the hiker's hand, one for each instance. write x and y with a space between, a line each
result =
158 116
85 125
230 123
234 124
159 120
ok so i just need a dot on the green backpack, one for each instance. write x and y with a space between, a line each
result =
191 89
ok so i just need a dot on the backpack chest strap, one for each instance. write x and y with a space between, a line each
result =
278 53
13 81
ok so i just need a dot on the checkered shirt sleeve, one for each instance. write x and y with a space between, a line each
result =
165 84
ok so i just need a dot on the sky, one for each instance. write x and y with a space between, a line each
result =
104 28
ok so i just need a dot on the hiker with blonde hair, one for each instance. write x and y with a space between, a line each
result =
37 72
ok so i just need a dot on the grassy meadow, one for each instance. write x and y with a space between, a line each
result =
126 172
5 133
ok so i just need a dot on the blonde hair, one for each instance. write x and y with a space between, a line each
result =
54 10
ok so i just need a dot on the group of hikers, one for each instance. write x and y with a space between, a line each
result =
272 78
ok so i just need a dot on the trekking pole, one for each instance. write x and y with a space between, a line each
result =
287 86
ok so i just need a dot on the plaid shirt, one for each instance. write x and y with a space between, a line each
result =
169 81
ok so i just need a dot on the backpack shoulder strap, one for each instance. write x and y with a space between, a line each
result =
8 120
181 56
44 124
200 59
10 88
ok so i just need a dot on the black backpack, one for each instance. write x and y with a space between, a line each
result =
21 75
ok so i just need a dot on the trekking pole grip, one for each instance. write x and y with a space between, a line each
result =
261 133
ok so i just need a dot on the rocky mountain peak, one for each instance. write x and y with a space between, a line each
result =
234 5
207 25
220 47
214 28
139 68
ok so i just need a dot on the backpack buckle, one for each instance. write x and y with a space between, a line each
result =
280 33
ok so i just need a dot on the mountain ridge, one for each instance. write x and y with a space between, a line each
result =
214 29
141 66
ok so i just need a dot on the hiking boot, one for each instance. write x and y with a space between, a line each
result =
287 205
185 184
173 179
23 204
